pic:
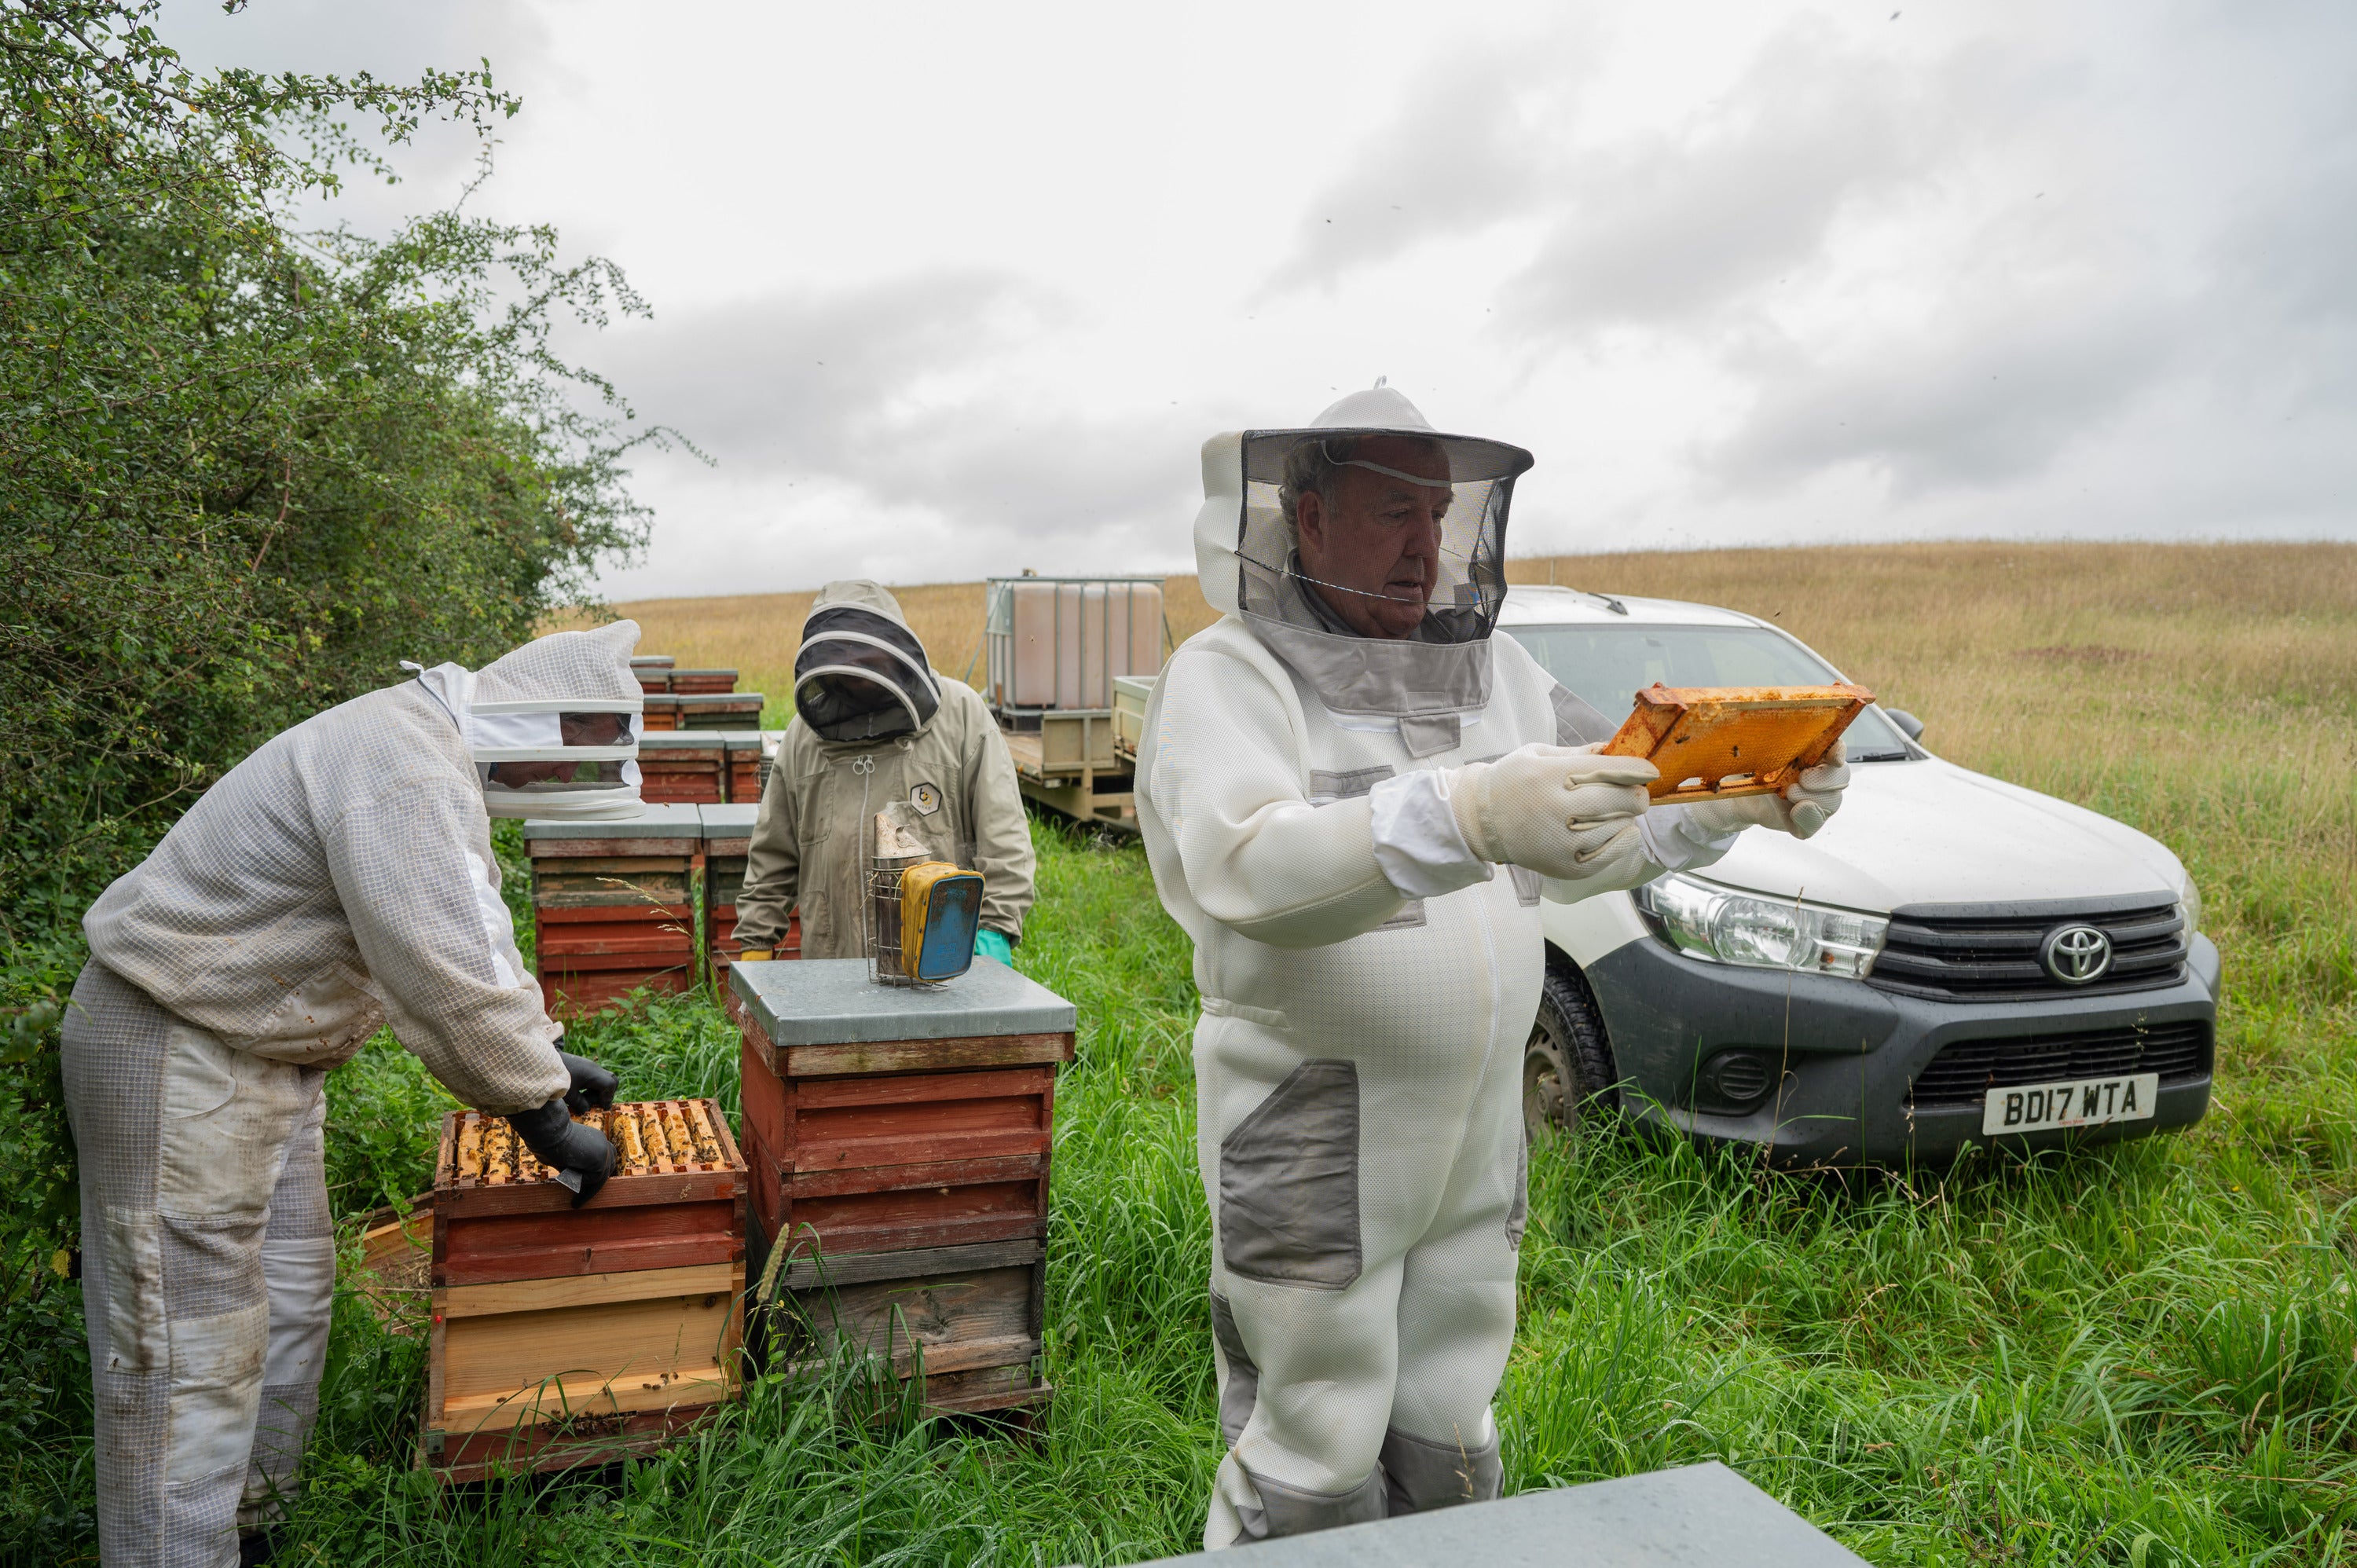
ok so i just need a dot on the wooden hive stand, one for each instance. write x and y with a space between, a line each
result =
611 908
682 767
566 1335
719 710
900 1144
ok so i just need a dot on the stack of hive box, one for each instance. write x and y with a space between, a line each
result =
654 670
610 906
661 713
717 709
566 1335
702 680
899 1142
683 768
727 840
746 775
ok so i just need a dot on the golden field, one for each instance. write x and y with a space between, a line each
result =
2044 662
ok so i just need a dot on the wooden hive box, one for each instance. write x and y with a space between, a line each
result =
899 1143
719 710
684 768
661 713
746 748
566 1335
654 670
702 680
611 907
728 843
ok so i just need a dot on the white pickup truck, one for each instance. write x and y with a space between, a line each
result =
1954 959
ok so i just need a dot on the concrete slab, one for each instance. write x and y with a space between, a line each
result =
1701 1515
662 822
831 1002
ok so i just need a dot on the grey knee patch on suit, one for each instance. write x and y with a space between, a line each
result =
1518 1218
1421 1474
1289 1182
1292 1510
1240 1390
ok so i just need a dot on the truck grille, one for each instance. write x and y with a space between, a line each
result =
1965 1071
1986 953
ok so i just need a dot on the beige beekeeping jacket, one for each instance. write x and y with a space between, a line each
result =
342 877
811 842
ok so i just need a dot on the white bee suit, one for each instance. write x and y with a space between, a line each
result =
339 879
1368 987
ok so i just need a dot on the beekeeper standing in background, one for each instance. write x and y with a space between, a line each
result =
339 879
874 722
1329 779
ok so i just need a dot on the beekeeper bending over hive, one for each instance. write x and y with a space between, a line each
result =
875 724
1329 780
337 879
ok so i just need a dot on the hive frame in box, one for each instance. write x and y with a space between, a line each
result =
899 1162
612 908
600 1312
1696 736
1063 748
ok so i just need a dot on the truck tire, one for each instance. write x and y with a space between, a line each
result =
1567 1071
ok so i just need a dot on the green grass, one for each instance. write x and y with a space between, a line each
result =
2141 1355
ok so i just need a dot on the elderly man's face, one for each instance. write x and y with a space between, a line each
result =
1381 537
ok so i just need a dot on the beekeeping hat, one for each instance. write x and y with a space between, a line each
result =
860 673
552 727
1246 556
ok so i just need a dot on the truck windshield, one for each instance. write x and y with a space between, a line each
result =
1608 665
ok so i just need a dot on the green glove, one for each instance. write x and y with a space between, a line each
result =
988 943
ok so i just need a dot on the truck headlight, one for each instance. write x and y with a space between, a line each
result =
1720 926
2188 903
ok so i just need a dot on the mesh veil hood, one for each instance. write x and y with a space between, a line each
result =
591 666
860 673
510 711
1244 555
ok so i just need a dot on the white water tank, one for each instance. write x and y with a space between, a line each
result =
1061 643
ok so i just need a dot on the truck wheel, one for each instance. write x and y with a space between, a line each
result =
1567 1071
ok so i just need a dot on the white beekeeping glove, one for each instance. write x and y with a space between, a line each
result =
1803 807
1563 812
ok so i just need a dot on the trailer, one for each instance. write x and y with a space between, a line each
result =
1056 649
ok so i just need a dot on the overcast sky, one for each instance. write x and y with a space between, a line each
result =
947 291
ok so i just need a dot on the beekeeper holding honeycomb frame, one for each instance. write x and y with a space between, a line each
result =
1329 779
875 724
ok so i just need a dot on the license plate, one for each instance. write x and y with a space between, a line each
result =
2070 1103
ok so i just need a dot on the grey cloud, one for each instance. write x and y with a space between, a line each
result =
1662 229
1987 400
1469 153
804 380
883 389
